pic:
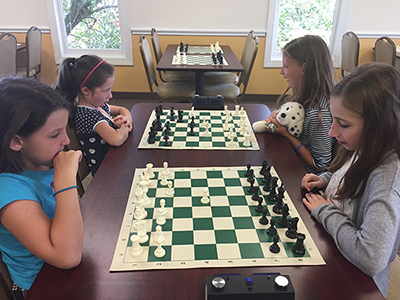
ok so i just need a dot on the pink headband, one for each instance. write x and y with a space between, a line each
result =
90 73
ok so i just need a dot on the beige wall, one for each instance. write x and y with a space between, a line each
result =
133 78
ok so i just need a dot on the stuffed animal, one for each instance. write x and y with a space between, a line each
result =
290 115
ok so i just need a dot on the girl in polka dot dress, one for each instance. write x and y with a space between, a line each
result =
86 83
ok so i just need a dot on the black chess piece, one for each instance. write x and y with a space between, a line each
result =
214 59
152 136
267 180
298 247
166 138
259 207
172 114
263 220
256 196
167 128
285 213
251 188
191 132
180 116
181 49
277 208
160 109
274 248
251 175
292 228
272 194
272 230
264 165
186 47
158 123
247 173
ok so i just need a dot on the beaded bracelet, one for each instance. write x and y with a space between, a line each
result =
298 147
66 189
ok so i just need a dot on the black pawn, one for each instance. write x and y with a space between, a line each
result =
274 248
167 128
291 233
260 207
251 175
247 173
172 114
285 213
158 123
181 49
160 109
264 165
298 247
263 220
166 138
180 116
251 188
256 196
272 230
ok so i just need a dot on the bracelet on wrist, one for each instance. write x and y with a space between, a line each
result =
66 189
298 147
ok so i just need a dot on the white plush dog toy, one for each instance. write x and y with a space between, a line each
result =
290 115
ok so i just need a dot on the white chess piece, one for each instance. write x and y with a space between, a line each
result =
164 180
160 217
243 129
237 110
170 191
159 238
136 249
226 127
231 133
140 212
149 170
159 252
207 132
204 122
205 199
247 140
242 111
162 208
165 166
231 141
139 225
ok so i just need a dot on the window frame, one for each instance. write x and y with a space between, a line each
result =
123 56
273 59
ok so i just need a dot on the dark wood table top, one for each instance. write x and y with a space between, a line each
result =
103 207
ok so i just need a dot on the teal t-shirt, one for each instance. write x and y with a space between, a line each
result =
28 185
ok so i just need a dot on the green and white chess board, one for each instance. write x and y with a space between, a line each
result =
223 233
218 139
196 60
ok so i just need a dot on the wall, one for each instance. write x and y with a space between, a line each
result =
359 17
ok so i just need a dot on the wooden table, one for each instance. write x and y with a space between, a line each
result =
21 46
165 64
103 207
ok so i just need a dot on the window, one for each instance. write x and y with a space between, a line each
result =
91 26
289 19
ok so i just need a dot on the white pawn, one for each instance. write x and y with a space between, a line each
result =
159 252
160 218
204 122
149 170
226 125
243 129
237 110
247 140
242 111
170 191
136 249
231 141
164 180
139 225
159 238
231 133
162 208
205 199
165 166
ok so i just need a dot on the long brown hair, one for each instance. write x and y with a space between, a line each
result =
319 79
371 92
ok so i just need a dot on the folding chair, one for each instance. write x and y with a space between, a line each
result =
350 53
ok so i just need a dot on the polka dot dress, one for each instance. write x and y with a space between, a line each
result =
94 148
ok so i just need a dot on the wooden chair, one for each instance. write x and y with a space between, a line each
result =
231 90
83 169
229 77
385 51
5 282
350 53
29 60
8 57
170 75
164 90
394 283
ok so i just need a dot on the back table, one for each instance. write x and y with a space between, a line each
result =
103 207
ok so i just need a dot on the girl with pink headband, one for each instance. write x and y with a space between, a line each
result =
86 83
